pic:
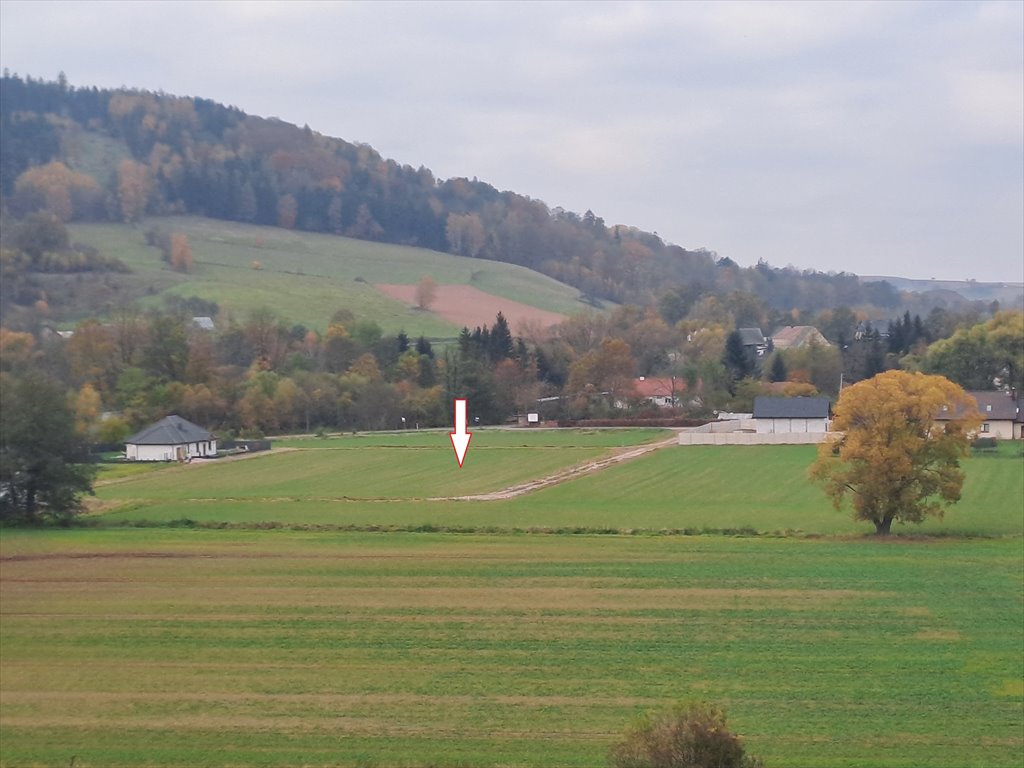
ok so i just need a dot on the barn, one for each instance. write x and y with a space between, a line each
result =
786 415
170 439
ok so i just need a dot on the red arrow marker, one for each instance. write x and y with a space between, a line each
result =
460 437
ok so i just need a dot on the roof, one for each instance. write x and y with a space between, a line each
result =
795 336
993 406
652 386
171 430
204 323
791 407
752 337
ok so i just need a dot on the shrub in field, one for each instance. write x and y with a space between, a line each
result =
691 735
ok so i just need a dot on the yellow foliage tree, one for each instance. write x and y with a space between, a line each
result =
133 186
896 459
58 189
87 407
181 253
426 292
15 349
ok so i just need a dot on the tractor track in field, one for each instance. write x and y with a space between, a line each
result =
570 473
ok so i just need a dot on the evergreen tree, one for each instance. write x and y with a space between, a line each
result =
43 469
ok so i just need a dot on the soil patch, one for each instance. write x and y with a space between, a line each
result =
469 307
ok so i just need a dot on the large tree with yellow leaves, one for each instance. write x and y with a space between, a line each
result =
898 456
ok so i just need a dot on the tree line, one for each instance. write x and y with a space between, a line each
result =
262 375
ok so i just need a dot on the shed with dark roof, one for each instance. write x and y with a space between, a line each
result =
774 415
170 439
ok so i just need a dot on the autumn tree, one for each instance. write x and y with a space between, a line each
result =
607 371
895 458
181 253
133 187
426 292
87 407
16 349
58 189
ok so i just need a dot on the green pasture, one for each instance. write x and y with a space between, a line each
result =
413 466
306 277
131 647
386 480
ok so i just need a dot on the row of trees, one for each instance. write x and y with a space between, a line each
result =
263 375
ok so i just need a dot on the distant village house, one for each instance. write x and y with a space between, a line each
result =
1001 414
797 336
171 439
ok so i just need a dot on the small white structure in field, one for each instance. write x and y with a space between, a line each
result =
170 439
786 415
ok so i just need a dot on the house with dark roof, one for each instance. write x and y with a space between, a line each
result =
170 439
1000 411
754 341
788 415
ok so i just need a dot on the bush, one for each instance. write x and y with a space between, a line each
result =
690 735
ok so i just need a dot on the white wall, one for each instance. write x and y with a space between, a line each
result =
749 438
789 426
169 452
1000 429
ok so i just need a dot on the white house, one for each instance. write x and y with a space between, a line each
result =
1000 412
786 415
170 439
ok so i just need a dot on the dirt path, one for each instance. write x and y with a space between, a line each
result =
568 474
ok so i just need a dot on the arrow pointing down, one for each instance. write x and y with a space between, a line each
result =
460 437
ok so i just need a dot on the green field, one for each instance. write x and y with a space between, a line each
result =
385 479
281 648
306 277
337 644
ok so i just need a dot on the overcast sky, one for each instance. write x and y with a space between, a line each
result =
877 138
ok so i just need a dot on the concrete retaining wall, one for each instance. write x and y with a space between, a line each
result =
751 438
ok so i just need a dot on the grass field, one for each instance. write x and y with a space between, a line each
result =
394 467
280 648
306 277
384 479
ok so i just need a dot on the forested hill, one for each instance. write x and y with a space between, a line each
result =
89 153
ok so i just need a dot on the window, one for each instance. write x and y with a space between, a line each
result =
984 427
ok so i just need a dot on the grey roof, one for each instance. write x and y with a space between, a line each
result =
993 406
791 408
752 337
171 430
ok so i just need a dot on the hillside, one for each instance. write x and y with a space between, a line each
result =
92 154
1007 294
306 277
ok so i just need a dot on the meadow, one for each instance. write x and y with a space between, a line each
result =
410 480
280 648
287 629
307 277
